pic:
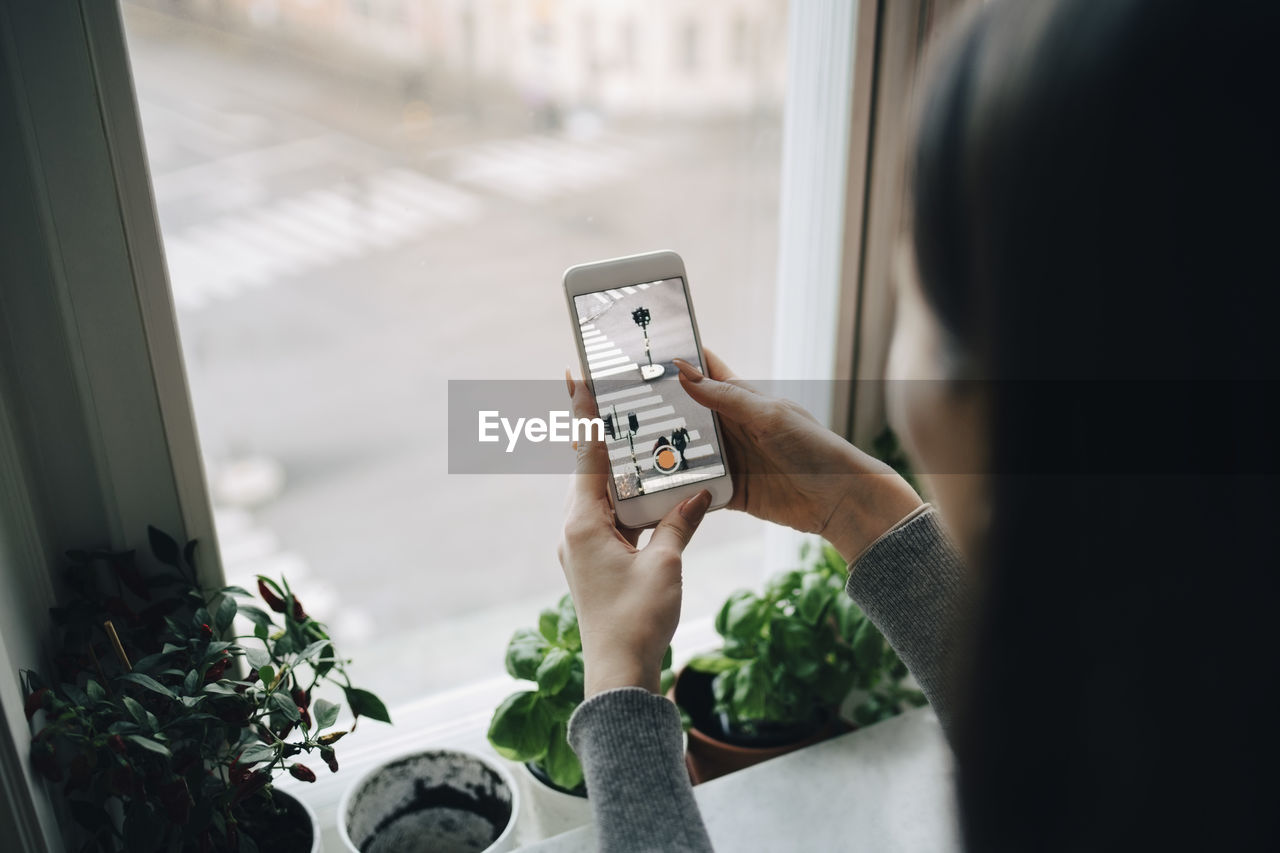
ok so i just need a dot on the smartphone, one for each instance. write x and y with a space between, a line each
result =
632 316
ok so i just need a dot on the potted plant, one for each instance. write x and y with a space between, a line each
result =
530 726
792 654
155 740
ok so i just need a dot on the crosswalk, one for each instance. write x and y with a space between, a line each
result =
293 235
536 168
656 417
604 359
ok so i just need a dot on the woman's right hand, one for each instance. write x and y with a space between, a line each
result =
789 469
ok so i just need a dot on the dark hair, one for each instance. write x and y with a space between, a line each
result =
1093 191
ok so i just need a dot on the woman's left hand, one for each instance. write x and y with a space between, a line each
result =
627 598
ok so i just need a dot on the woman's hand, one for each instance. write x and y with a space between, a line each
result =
627 598
789 469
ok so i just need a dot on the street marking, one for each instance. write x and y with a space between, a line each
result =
637 405
629 290
587 327
661 411
612 371
607 362
598 344
625 392
615 294
601 297
593 357
291 236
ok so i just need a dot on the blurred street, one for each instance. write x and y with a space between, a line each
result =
339 249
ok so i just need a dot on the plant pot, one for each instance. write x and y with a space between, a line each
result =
710 755
550 809
441 800
297 831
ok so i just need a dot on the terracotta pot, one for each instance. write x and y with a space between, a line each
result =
709 757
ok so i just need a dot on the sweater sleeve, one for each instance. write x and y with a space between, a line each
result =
911 585
633 756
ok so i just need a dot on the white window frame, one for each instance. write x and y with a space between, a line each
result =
97 434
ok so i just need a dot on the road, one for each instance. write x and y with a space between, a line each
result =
337 253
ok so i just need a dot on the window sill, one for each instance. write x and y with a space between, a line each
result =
456 719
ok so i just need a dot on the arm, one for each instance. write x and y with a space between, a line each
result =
910 583
628 603
631 750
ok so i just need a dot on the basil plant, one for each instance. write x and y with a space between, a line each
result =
531 726
793 652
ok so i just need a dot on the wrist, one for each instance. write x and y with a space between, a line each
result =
867 511
612 671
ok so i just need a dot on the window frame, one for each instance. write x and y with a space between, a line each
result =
96 422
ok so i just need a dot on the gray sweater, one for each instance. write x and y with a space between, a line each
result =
909 583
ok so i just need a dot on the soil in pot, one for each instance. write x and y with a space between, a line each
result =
713 751
446 802
279 824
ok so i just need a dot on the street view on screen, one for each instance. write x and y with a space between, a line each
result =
657 436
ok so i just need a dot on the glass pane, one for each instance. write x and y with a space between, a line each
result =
362 199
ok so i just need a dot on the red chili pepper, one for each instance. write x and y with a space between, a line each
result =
298 613
35 702
306 717
215 672
273 601
302 773
330 758
256 782
205 630
117 744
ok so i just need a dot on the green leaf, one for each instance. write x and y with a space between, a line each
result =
667 658
256 615
226 614
257 658
135 710
742 616
149 683
848 617
525 653
521 727
147 743
256 753
365 704
326 713
94 690
283 704
750 691
560 762
313 650
235 590
267 674
713 662
567 626
815 595
553 672
163 547
548 625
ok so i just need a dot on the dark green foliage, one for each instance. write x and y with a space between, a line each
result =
530 726
793 652
168 737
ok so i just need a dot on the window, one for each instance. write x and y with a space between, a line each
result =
344 236
689 46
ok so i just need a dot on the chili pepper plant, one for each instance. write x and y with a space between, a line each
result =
146 726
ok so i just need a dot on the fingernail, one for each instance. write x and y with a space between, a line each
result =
695 507
568 381
690 372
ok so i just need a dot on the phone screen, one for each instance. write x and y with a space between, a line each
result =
657 436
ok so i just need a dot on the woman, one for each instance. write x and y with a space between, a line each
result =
1089 329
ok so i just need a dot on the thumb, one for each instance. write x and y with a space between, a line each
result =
727 398
677 526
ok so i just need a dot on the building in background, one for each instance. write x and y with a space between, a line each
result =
620 58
